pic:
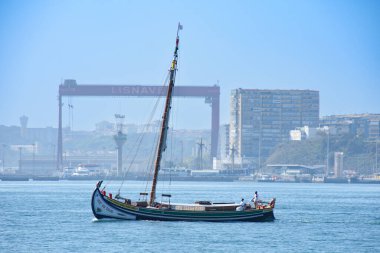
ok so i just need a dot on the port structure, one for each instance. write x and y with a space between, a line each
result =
120 139
71 88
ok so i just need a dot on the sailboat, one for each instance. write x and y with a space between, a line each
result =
105 206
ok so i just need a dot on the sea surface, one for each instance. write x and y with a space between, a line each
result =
56 217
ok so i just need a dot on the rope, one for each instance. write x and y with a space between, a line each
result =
171 151
144 132
139 140
150 162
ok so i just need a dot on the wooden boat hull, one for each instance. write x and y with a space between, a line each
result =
105 207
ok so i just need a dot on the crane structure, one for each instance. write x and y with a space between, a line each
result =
71 88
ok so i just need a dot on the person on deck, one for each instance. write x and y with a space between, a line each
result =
242 203
241 206
255 199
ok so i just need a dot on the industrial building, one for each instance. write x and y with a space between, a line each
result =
261 119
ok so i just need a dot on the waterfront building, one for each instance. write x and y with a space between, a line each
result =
261 119
374 129
364 125
297 135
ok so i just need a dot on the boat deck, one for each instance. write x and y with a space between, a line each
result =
186 206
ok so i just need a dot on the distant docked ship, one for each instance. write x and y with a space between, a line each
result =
83 172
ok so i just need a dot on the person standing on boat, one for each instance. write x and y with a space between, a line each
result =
255 199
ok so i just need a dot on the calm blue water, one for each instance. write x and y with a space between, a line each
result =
57 217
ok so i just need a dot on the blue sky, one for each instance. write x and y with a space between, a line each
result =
330 46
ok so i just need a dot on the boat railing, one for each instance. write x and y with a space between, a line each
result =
166 196
140 203
143 196
203 202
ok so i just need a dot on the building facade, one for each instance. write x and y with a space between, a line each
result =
261 119
364 125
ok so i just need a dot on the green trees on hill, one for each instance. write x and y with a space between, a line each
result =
308 152
359 154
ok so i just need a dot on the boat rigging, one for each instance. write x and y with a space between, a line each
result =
104 206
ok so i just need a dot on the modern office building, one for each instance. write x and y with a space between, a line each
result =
261 119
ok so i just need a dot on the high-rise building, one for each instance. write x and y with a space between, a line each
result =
261 119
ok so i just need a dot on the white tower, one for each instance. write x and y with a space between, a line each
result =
338 164
24 125
120 138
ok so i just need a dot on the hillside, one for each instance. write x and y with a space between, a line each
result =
359 154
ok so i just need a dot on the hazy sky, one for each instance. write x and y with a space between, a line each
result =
330 46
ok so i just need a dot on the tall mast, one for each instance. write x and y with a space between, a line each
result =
165 119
